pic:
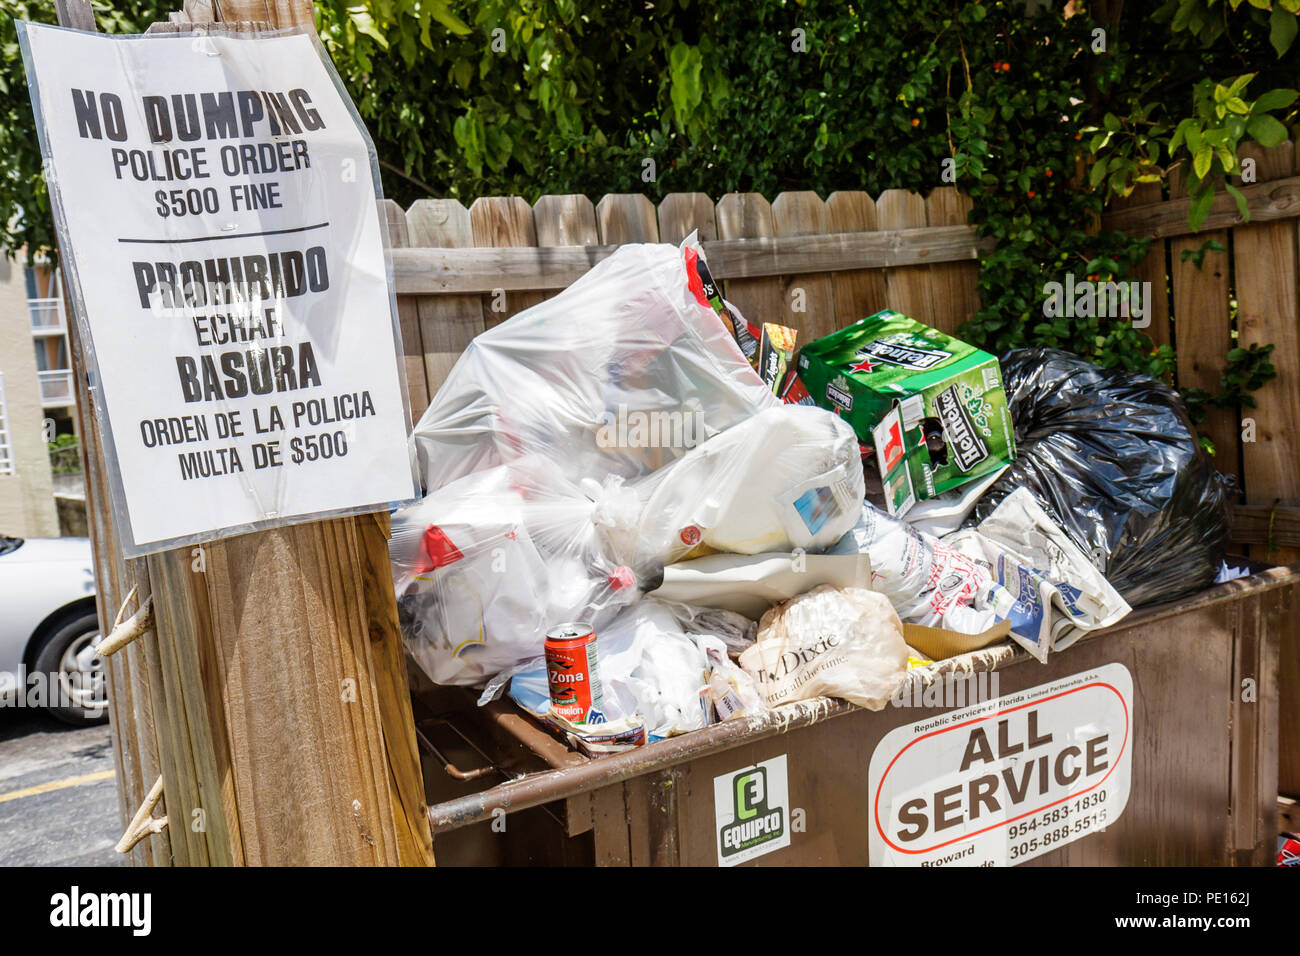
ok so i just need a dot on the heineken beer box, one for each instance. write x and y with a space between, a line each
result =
932 407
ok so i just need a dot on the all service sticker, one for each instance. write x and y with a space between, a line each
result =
1007 780
752 811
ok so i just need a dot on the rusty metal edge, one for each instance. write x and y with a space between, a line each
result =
536 789
548 786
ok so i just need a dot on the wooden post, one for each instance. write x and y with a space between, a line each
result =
271 696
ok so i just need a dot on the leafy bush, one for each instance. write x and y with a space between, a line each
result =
1039 117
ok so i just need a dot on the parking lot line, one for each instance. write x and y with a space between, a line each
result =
57 785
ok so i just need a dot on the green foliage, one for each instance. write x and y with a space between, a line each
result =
1197 256
65 455
1247 370
1039 121
1128 150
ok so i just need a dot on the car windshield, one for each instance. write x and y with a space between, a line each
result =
8 544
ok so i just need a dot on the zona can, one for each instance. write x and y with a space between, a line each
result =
572 674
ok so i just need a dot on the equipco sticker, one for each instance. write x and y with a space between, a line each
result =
1007 780
752 810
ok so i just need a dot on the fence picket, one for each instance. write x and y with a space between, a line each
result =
804 214
862 292
749 216
504 221
1266 273
680 214
953 284
908 287
447 322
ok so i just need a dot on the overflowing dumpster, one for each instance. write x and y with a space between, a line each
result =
1185 695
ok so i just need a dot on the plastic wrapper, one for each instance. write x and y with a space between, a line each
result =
656 660
928 582
1113 459
619 374
832 642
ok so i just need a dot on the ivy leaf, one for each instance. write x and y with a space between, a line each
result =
1274 100
684 65
1098 173
1202 160
365 23
440 10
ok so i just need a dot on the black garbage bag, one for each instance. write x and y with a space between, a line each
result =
1113 458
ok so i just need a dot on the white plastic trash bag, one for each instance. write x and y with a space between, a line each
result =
476 594
830 642
619 374
789 477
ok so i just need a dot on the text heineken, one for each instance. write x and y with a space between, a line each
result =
930 406
959 429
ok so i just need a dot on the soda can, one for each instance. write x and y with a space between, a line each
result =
572 673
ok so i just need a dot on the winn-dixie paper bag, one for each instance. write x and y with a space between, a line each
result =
1047 587
829 642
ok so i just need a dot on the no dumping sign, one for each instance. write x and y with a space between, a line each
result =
217 209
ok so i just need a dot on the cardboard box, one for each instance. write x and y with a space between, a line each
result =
932 407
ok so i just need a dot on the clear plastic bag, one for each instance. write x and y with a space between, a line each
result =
476 591
619 374
589 441
484 565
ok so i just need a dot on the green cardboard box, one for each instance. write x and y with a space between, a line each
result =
932 407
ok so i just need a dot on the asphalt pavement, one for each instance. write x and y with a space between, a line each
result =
58 803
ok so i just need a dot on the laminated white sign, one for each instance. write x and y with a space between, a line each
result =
218 212
1007 780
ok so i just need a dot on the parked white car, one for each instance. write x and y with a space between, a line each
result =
49 628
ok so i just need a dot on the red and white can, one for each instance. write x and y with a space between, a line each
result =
572 673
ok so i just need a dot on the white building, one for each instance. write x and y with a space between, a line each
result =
37 399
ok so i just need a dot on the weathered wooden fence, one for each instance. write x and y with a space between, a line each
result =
1243 296
809 263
